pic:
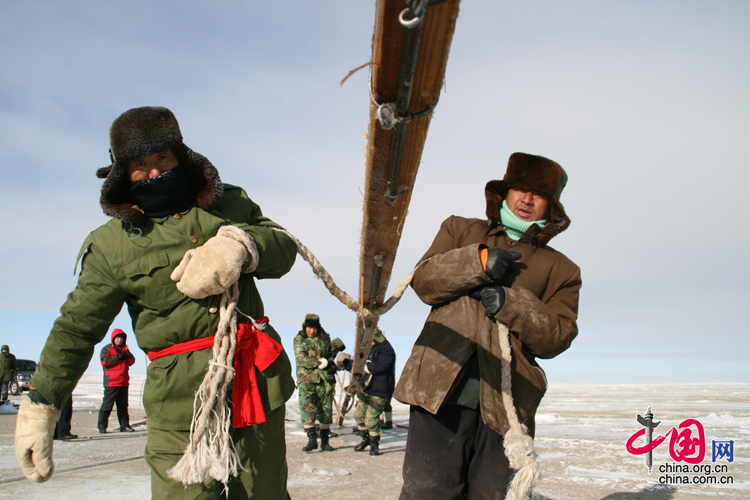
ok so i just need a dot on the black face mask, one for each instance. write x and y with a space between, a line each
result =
164 195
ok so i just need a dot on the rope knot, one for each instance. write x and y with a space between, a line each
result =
387 115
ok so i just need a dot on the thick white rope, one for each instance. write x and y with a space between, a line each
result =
519 446
337 292
211 452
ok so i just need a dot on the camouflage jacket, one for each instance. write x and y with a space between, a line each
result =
308 351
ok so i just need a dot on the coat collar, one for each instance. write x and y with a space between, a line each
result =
495 192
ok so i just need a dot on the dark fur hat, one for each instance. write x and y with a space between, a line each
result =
539 175
141 132
312 320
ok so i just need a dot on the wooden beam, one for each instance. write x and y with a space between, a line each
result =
383 218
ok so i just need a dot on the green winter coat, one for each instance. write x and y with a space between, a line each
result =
308 351
119 266
8 368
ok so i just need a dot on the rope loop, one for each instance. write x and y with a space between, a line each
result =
130 228
388 116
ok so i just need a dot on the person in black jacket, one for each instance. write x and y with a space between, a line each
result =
381 366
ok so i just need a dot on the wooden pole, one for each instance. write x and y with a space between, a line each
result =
386 204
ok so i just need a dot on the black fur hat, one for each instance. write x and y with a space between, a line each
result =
141 132
539 175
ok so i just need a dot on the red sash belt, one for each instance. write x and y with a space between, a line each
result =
254 349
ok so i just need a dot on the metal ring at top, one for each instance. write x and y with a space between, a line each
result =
411 23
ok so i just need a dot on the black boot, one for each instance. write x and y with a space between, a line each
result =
364 443
312 440
324 435
388 424
374 445
355 430
103 421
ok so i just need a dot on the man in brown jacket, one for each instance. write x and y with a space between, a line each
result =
476 272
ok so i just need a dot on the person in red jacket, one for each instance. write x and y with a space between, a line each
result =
116 360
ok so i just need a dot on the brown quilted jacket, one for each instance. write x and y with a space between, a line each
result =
540 311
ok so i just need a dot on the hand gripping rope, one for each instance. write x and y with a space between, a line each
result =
518 445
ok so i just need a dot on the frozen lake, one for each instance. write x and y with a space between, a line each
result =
581 435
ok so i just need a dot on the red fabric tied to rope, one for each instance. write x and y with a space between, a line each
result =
255 349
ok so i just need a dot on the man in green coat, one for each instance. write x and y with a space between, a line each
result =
8 371
315 379
167 202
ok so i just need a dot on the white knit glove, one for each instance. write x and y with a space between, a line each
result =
214 267
35 425
323 363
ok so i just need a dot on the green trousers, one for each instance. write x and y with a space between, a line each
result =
316 403
368 412
262 451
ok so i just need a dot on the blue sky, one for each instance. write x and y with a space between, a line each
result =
646 105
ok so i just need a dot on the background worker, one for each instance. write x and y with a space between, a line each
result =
315 381
477 272
63 425
116 359
8 371
381 368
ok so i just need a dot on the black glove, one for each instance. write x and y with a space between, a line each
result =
348 365
332 368
37 398
492 298
500 262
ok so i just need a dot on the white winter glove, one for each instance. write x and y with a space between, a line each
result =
323 363
34 427
216 266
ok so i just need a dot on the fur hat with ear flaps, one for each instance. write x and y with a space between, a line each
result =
141 132
312 320
539 175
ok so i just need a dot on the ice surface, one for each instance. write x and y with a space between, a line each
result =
580 438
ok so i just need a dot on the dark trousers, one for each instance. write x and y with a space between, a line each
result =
453 455
5 390
114 395
62 427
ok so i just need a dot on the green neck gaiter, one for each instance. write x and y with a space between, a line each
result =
515 227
